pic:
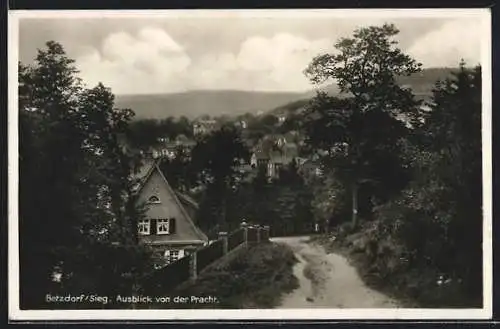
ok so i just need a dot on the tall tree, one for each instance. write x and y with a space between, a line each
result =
77 216
216 160
454 130
443 202
178 170
365 68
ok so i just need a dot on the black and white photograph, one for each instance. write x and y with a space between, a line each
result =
250 164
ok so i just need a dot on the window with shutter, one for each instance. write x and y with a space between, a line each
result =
153 226
162 226
172 225
143 227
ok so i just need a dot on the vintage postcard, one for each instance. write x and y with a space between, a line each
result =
250 164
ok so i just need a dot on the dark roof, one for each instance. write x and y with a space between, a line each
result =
186 198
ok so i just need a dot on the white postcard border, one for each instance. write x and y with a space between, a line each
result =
251 314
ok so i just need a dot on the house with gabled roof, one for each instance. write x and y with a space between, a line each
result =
273 156
168 225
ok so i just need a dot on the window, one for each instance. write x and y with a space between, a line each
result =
162 226
172 256
143 227
154 199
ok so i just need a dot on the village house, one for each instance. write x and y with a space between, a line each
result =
204 127
167 148
168 226
310 168
242 124
273 154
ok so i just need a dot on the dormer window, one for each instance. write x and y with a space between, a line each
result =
154 199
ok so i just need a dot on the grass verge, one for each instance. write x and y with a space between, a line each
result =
255 277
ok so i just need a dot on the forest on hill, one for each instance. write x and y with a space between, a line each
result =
196 103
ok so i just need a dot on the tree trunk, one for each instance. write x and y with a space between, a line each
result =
354 191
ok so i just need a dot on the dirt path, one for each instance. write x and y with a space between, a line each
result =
328 281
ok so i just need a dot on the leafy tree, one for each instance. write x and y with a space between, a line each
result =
444 200
215 161
365 68
77 214
178 170
184 127
144 133
283 203
454 127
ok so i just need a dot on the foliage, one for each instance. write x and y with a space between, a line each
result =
77 214
427 241
421 174
178 170
215 161
347 130
146 132
366 67
444 201
283 203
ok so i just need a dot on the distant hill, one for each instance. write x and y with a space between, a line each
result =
193 104
196 103
421 83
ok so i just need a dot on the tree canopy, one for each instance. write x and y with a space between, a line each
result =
349 129
77 214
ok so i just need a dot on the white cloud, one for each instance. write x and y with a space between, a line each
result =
447 45
151 61
148 62
275 63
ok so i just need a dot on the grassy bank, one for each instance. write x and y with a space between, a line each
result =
256 277
383 266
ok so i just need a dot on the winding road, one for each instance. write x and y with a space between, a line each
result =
328 280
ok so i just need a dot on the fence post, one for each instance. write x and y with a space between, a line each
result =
223 237
244 226
193 271
266 232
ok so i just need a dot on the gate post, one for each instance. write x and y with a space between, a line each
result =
223 237
266 232
244 226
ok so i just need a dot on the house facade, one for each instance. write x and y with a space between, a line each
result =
168 225
273 153
203 127
166 148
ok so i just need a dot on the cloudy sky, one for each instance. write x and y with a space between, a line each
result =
173 53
